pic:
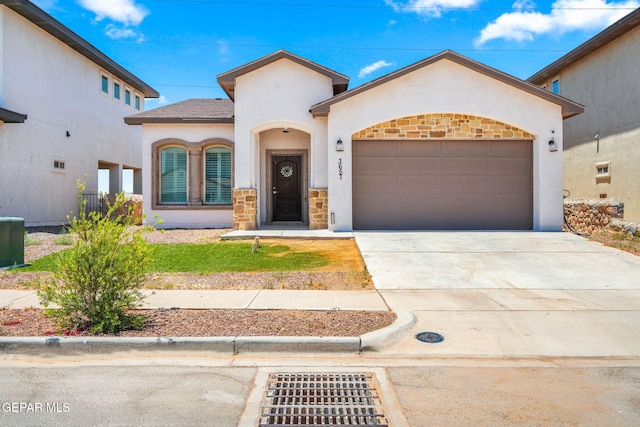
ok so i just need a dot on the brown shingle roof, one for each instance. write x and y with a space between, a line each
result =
192 110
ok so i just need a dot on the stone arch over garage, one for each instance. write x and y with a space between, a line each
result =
443 126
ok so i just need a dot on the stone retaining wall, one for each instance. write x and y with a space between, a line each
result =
588 215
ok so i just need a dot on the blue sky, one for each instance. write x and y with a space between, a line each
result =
179 46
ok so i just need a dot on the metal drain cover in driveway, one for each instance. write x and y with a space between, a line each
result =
318 399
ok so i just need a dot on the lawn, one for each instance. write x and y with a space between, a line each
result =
217 257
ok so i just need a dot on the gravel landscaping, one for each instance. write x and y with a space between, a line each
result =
344 274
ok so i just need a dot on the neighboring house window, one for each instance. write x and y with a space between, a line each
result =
116 90
59 165
218 176
555 86
603 171
105 84
173 175
127 96
137 102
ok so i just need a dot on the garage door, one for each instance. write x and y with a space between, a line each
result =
443 185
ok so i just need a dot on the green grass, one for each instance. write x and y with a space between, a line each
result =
215 258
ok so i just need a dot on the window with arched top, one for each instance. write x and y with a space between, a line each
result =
173 175
217 176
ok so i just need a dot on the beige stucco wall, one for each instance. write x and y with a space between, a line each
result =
447 87
272 97
60 91
607 83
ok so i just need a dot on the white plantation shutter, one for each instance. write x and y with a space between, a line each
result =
218 176
173 175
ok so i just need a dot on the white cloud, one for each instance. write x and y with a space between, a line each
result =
566 15
373 67
125 12
430 8
123 33
156 102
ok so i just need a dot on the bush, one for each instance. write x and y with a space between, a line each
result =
98 280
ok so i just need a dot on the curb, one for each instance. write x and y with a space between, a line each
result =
55 346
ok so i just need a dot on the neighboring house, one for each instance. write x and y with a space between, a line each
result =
602 146
62 102
445 143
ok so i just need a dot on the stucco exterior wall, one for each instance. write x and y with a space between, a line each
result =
607 84
60 91
446 87
275 96
182 216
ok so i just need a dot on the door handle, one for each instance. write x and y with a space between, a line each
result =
275 191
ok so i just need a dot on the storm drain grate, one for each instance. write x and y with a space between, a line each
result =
316 399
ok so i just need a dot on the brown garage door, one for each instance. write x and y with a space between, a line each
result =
443 185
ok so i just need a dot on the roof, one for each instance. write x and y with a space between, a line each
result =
228 80
601 39
190 111
9 116
569 108
45 21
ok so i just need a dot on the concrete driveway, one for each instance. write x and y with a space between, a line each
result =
508 294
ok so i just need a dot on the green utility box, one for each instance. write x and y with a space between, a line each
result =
11 241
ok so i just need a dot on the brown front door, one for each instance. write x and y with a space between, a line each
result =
286 188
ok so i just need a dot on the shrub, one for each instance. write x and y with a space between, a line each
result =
98 280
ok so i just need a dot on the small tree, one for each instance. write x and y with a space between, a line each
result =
99 279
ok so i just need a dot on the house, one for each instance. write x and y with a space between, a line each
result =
445 143
601 146
62 102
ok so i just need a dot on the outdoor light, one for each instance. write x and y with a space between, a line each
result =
552 143
339 145
285 130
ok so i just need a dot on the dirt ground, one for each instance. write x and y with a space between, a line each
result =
618 240
345 271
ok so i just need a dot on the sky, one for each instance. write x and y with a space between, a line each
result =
180 46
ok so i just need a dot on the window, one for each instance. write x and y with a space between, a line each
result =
116 90
127 96
58 164
105 84
218 176
603 171
173 175
137 102
555 86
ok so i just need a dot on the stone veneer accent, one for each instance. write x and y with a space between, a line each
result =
318 208
245 208
443 126
588 215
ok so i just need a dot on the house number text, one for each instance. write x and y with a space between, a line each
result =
340 168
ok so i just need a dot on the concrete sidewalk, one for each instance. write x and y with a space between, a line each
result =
233 299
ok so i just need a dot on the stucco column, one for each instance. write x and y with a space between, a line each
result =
115 179
195 175
137 181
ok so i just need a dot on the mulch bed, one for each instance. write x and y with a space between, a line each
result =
211 323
